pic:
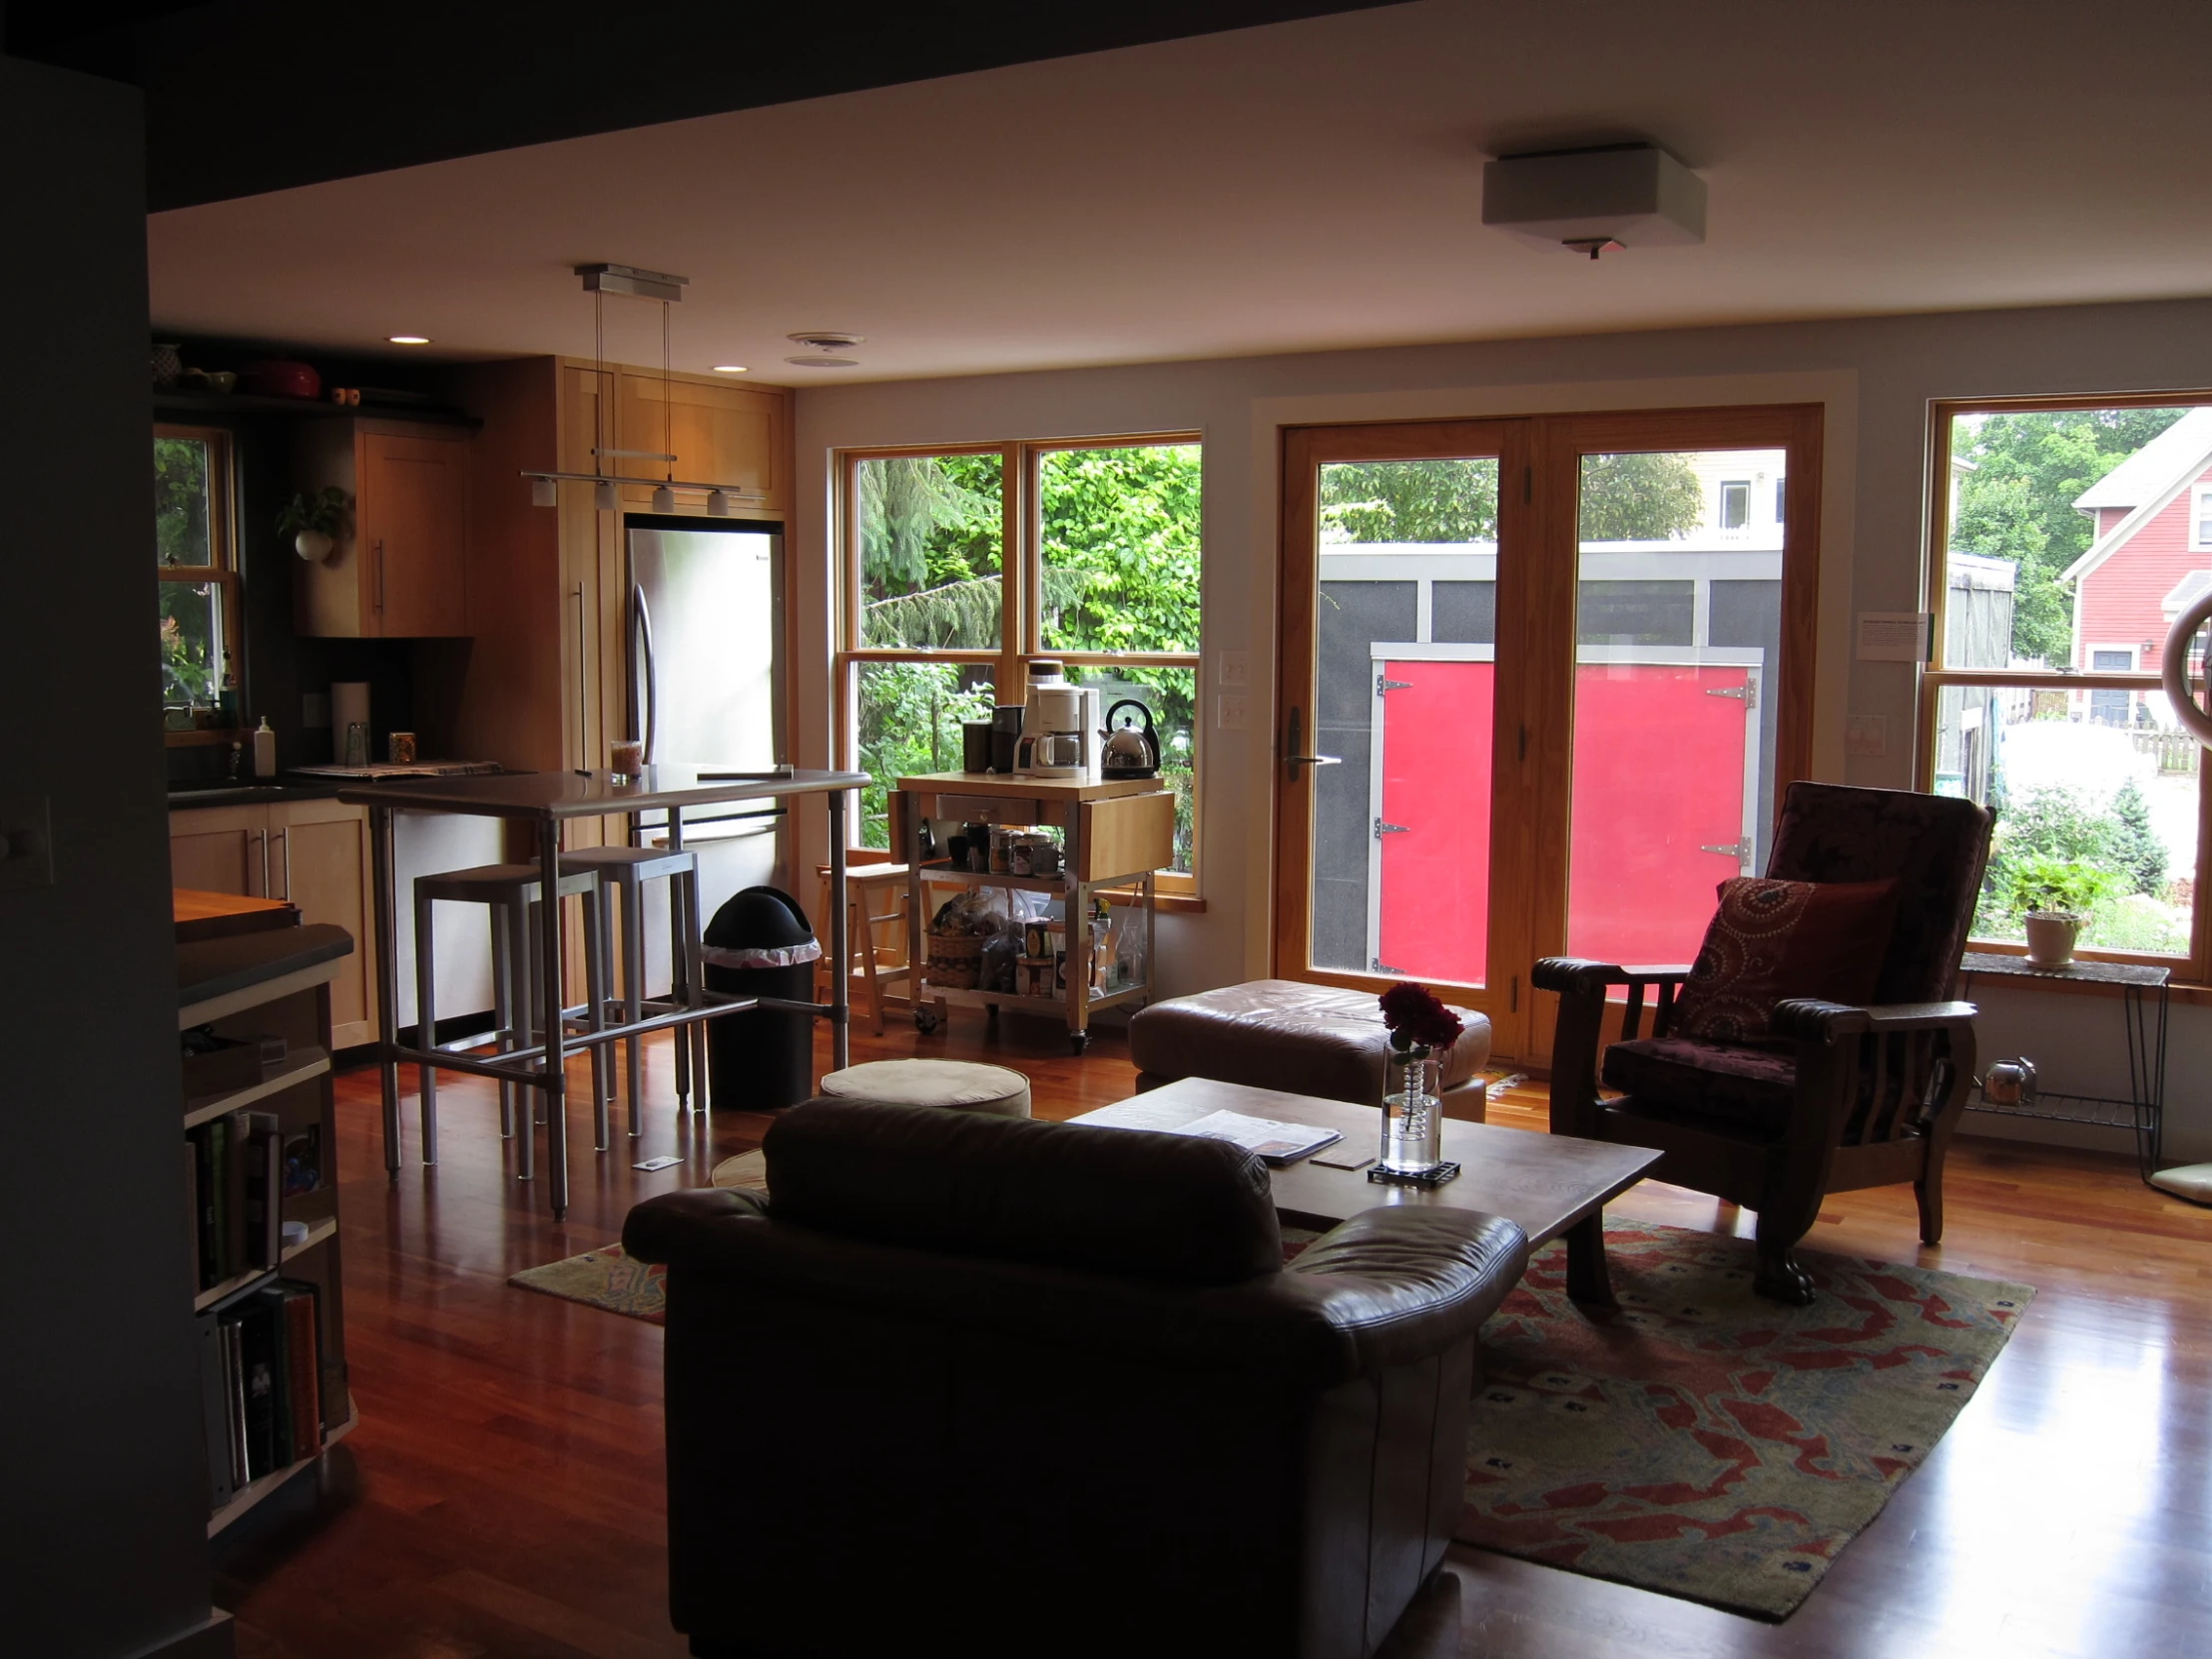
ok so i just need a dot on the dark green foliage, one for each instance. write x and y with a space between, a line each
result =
1646 498
1410 501
1639 497
2134 847
2056 836
181 501
2018 503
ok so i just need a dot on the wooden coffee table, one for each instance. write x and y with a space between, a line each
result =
1552 1185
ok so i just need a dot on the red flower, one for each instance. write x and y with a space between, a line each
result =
1416 1014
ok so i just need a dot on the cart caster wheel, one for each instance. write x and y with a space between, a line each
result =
924 1021
1078 1041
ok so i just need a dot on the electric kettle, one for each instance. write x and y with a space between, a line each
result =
1129 752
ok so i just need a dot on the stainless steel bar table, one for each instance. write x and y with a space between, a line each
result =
548 800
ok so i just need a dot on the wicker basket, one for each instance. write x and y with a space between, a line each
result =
955 961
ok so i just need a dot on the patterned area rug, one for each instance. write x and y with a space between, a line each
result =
1698 1441
608 1280
1701 1441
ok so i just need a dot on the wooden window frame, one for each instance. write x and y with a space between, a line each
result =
1021 566
2194 968
223 573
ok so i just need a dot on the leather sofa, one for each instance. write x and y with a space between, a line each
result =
981 1386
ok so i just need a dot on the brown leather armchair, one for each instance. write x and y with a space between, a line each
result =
1841 1097
980 1386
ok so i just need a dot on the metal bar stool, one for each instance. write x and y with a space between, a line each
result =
629 869
509 891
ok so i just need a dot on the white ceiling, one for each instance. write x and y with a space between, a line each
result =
1310 185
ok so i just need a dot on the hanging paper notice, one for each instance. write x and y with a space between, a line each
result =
1895 636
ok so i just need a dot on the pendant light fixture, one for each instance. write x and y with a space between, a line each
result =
660 287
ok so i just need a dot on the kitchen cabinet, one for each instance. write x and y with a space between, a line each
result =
313 853
718 432
401 569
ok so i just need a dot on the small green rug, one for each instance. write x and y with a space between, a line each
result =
1697 1440
1702 1440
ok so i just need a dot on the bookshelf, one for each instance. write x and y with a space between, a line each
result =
267 1294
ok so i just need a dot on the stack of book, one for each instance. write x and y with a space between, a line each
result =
234 1172
259 1373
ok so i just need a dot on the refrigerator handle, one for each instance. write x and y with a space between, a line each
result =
643 623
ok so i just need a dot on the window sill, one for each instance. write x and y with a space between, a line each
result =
1183 903
205 736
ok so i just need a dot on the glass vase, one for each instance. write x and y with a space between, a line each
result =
1412 1115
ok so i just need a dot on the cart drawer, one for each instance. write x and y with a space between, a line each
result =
991 808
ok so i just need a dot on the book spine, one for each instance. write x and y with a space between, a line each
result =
214 1410
264 1185
237 1252
204 1188
191 1214
233 1392
258 1351
303 1357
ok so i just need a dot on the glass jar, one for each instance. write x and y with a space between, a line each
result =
1413 1113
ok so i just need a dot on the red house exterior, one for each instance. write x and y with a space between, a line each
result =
2151 557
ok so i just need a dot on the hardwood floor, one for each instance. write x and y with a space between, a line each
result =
503 1493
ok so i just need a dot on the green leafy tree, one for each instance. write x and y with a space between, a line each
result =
2017 503
2133 846
1641 497
1410 501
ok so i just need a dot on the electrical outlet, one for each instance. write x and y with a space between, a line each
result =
1229 712
1236 668
26 843
1867 736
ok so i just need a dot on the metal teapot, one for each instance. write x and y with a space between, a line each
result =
1129 752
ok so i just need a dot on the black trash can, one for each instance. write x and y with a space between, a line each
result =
759 945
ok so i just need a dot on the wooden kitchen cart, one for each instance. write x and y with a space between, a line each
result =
1116 835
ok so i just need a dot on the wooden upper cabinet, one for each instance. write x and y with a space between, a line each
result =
401 571
720 435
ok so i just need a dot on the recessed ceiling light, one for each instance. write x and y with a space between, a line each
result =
729 368
409 340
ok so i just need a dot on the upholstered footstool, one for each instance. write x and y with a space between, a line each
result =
957 1085
1301 1039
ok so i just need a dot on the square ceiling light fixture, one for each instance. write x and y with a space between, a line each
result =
1609 196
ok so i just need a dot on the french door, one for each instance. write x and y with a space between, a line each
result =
1539 681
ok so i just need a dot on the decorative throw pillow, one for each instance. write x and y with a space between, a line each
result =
1773 940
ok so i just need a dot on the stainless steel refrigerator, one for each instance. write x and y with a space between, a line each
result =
707 688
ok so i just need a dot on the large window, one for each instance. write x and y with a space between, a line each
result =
962 565
198 571
2063 538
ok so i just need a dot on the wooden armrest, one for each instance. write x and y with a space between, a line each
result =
1809 1020
1573 973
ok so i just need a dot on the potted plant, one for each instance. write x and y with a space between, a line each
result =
2055 896
313 522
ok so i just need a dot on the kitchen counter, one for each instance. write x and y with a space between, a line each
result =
182 797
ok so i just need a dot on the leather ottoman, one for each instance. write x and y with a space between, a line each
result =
1299 1038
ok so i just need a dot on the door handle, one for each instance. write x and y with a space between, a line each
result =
286 832
378 547
1296 741
643 623
260 837
583 689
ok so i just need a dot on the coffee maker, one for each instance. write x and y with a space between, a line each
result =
1059 728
